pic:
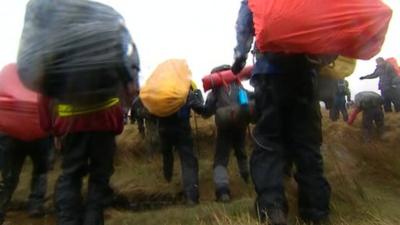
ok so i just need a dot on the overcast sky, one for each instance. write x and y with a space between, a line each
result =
200 31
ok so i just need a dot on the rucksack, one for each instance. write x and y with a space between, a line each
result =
341 87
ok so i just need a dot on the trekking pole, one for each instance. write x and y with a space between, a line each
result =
196 138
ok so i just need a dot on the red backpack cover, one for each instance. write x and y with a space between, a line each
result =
393 62
19 115
352 28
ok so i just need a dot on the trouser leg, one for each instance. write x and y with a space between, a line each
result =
221 160
68 198
239 144
14 157
189 166
39 155
101 155
387 102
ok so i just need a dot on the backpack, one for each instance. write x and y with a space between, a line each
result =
341 87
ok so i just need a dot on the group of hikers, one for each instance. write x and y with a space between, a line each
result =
370 103
284 107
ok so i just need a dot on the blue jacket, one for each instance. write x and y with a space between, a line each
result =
265 62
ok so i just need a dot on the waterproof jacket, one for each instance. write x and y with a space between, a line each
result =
387 76
194 101
265 62
368 100
107 120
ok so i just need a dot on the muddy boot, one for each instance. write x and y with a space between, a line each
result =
94 217
192 196
223 195
36 212
270 216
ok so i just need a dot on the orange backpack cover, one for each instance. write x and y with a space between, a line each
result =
352 28
19 111
393 62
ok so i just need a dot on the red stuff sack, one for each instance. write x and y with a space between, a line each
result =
393 62
217 79
352 28
19 116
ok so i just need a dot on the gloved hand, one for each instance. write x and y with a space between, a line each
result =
195 98
238 64
362 78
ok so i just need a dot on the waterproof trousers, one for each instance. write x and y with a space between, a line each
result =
288 128
84 153
371 117
178 136
228 139
390 95
15 153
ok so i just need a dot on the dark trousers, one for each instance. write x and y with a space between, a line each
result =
15 153
339 106
390 95
370 117
227 139
179 136
84 153
288 128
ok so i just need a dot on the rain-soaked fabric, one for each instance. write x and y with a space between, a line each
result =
77 51
353 28
84 153
15 153
19 116
289 128
167 88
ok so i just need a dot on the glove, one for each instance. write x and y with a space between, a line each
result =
238 64
362 78
195 98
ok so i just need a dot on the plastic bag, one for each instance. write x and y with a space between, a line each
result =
19 116
393 62
167 89
74 50
353 28
341 68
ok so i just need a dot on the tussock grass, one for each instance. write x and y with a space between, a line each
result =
365 180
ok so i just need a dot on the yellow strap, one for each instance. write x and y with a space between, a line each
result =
65 110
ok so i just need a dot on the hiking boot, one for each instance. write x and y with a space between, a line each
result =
192 197
223 195
277 217
36 212
271 216
322 221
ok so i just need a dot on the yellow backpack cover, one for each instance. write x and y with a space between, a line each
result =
341 68
167 89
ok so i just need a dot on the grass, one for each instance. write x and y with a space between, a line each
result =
365 180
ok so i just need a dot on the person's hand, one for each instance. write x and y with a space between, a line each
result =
238 65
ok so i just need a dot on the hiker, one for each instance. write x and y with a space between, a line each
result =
87 148
288 127
176 133
387 84
339 102
138 115
370 103
15 152
229 135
